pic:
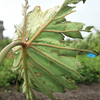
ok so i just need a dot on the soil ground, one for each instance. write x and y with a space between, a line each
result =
85 92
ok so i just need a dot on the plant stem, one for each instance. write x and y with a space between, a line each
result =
25 69
4 52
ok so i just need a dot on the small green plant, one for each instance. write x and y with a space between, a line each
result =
4 42
7 76
5 72
91 70
39 56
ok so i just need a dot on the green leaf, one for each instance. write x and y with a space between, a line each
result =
45 62
70 29
88 28
36 19
47 72
63 12
66 2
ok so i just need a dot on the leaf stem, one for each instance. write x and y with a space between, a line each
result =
83 50
17 49
19 30
57 31
18 63
4 52
23 34
25 69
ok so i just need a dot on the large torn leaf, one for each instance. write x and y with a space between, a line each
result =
45 62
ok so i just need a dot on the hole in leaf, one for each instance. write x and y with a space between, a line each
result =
27 39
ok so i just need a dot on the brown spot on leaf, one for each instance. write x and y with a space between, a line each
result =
43 81
31 64
51 62
37 74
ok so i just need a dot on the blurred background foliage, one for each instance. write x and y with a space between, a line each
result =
4 42
7 77
91 69
91 42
